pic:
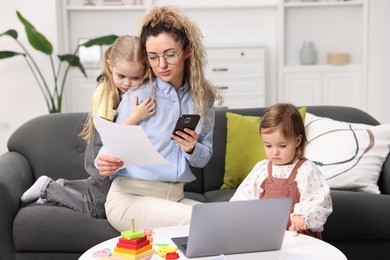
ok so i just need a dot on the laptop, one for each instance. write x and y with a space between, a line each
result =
235 227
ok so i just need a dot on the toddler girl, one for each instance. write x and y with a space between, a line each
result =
286 173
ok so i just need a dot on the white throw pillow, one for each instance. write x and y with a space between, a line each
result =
349 155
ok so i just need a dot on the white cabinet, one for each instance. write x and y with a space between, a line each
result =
302 89
344 88
239 73
324 87
333 27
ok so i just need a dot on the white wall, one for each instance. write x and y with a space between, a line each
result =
20 98
379 60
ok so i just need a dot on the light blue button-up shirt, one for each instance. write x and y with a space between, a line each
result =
170 104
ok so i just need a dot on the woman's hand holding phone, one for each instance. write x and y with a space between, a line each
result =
184 133
187 139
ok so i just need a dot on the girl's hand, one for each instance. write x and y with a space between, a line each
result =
141 111
145 109
187 139
298 223
108 164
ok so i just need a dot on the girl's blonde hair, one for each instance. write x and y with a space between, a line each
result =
287 119
170 20
125 48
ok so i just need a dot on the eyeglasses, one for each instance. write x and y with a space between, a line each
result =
170 57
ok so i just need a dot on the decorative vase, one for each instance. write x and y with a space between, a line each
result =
308 54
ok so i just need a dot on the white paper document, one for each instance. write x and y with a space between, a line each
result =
127 142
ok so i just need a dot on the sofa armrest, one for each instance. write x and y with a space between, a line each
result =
15 178
358 215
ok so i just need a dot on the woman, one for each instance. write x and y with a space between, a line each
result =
154 194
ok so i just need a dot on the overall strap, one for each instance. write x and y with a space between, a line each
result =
294 171
269 169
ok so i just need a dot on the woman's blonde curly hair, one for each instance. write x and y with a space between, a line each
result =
169 19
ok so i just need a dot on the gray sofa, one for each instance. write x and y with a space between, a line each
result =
49 145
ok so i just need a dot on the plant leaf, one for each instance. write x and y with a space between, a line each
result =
36 39
23 20
73 61
12 33
104 40
9 54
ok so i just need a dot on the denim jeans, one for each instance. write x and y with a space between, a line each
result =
86 196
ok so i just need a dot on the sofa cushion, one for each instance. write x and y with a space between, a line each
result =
195 196
58 229
350 155
244 147
219 195
243 144
214 171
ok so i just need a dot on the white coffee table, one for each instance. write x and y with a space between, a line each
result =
300 247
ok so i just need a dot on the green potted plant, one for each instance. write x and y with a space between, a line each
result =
52 92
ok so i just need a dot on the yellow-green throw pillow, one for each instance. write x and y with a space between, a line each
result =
244 147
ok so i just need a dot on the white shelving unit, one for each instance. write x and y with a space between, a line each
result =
333 26
277 26
240 52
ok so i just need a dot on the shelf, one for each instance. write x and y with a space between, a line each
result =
106 7
218 4
227 6
322 68
323 4
182 5
222 45
342 25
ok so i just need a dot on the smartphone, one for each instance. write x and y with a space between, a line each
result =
186 121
